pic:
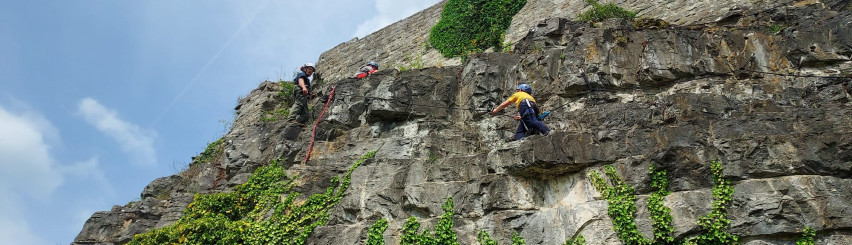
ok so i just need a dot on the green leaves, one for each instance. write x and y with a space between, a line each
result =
443 235
606 11
468 26
484 239
243 216
409 232
661 217
212 153
715 223
580 240
282 109
622 208
807 237
376 230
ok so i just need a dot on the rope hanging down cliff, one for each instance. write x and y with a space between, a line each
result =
319 118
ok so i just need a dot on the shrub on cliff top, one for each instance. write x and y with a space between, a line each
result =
601 12
473 25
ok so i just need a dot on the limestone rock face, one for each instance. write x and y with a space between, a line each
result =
774 108
407 41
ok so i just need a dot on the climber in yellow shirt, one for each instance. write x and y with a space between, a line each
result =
527 112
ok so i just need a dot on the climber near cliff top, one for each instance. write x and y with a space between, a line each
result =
368 69
527 112
302 90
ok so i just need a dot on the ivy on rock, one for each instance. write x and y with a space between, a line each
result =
622 208
468 26
254 213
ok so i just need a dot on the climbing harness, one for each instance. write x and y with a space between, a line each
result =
528 111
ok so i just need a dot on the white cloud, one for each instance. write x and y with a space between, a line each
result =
389 12
133 140
14 229
17 231
28 170
24 155
89 170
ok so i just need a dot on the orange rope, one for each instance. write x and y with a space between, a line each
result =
314 132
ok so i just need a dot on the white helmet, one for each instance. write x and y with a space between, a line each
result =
306 65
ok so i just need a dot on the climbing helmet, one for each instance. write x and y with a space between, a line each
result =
525 87
306 65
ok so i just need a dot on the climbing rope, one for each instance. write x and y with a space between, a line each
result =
314 131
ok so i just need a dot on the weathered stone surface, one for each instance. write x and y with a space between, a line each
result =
405 41
399 44
676 97
118 225
786 204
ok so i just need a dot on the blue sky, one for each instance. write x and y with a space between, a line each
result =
100 97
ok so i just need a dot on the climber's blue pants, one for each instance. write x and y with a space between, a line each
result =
529 123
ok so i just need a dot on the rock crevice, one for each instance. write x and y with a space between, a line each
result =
773 108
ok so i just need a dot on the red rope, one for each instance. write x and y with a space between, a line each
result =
314 132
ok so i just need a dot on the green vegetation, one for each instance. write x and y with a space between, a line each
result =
280 113
213 152
774 29
433 157
601 12
484 239
507 47
469 26
443 234
580 240
286 89
517 240
622 208
621 39
715 224
254 213
807 237
661 217
376 230
649 23
415 63
282 109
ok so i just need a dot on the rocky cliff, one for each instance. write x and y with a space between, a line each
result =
765 90
406 43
